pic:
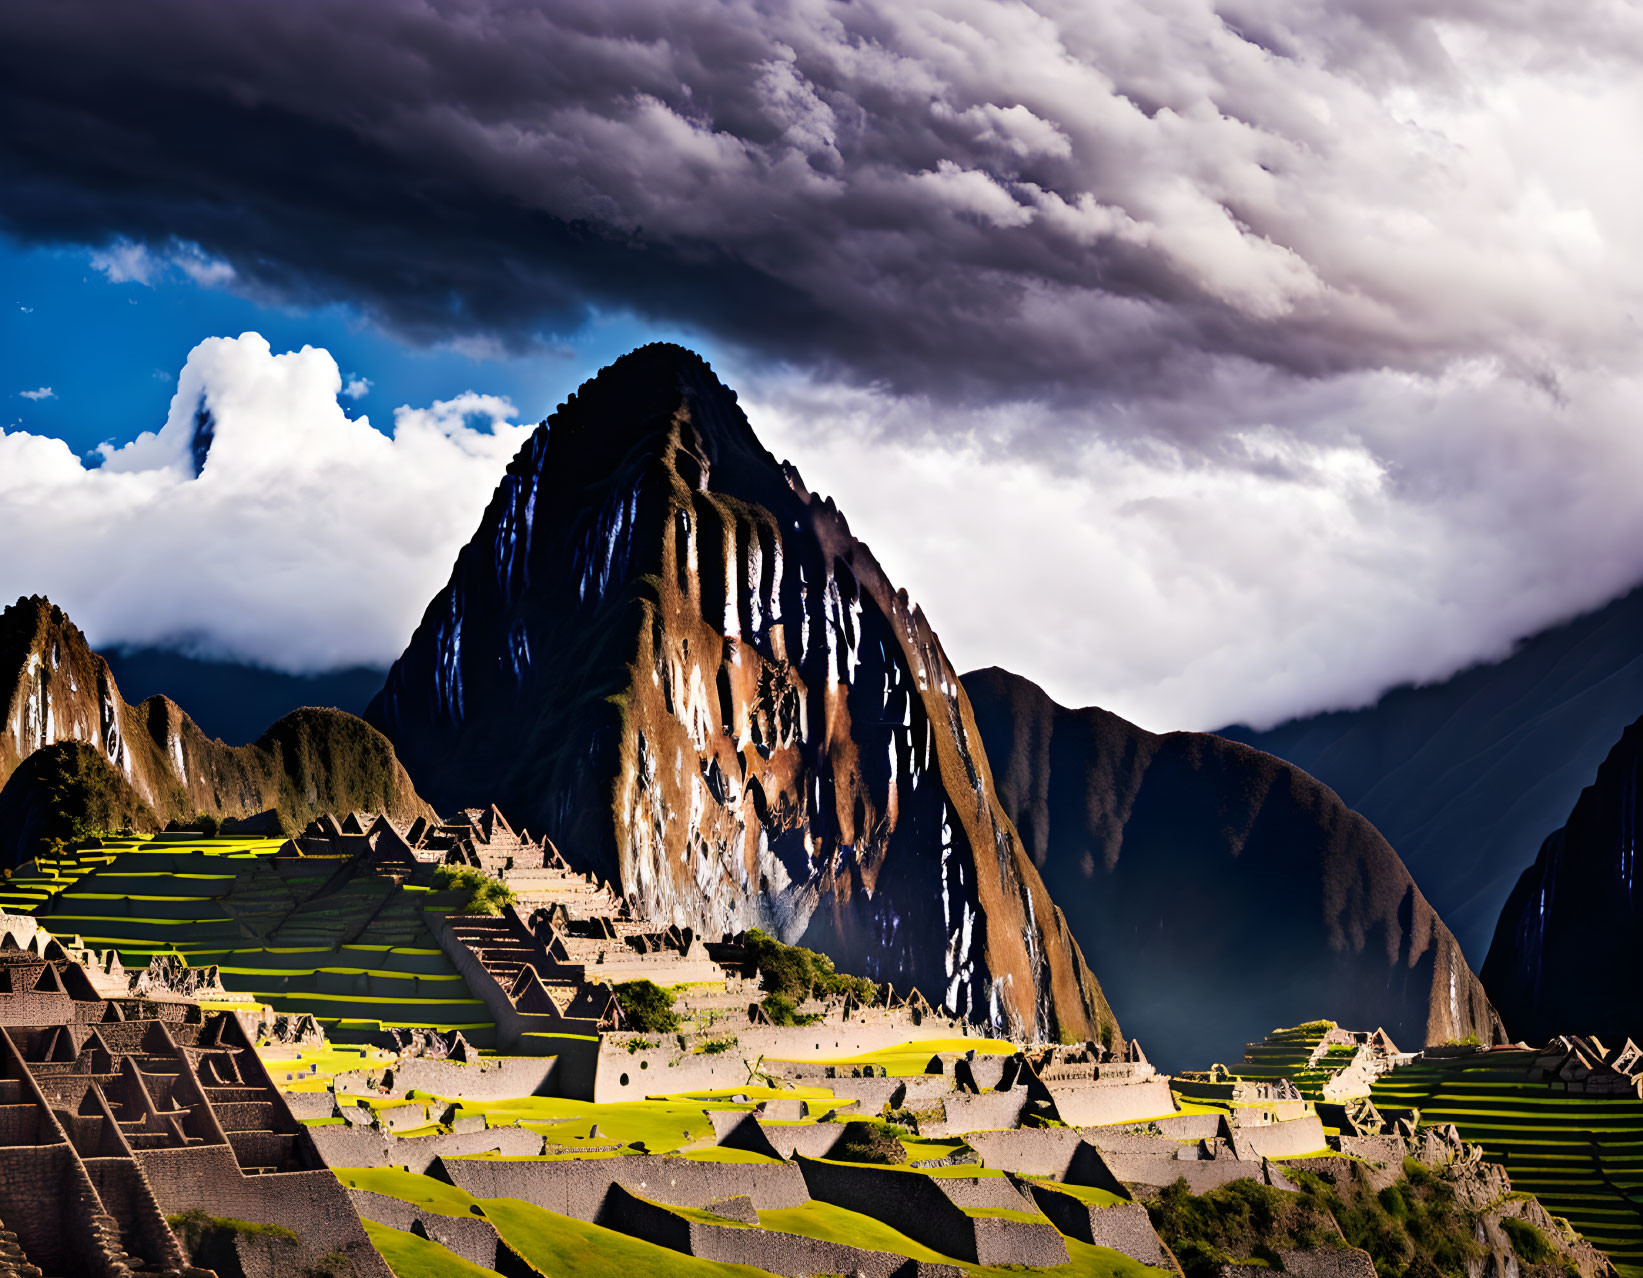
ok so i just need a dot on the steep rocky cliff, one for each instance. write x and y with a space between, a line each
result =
663 652
58 690
1569 941
1219 891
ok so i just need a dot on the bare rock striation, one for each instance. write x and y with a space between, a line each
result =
662 651
1217 889
61 702
1571 927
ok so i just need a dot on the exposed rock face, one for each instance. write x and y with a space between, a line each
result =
1568 942
1218 890
663 652
58 690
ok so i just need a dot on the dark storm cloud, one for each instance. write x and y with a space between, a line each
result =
980 197
1206 361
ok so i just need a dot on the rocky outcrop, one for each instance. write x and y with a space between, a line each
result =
1218 890
58 692
662 651
1573 925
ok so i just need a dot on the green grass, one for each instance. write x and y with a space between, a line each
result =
412 1257
1583 1158
558 1244
359 952
909 1058
411 1187
836 1224
663 1125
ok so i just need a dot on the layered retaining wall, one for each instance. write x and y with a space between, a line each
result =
1125 1227
577 1187
345 1146
1030 1151
472 1237
1280 1140
917 1206
789 1254
666 1068
1099 1104
312 1204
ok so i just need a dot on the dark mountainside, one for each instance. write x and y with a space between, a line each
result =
232 701
660 650
58 690
1219 891
1465 777
1568 944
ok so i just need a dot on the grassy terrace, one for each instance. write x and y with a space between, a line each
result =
557 1244
302 935
1583 1158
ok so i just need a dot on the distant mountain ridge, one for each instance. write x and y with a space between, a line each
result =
57 690
1466 777
231 700
1570 938
1219 891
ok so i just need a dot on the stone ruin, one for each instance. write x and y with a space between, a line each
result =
119 1112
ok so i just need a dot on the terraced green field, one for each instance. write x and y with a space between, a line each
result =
1583 1158
308 934
557 1244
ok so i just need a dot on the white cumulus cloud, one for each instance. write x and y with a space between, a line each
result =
44 392
1272 576
308 540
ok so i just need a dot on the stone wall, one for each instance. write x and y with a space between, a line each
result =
577 1187
1125 1227
472 1237
346 1146
313 1204
488 1078
1279 1140
777 1253
1030 1151
1098 1104
665 1068
964 1112
917 1206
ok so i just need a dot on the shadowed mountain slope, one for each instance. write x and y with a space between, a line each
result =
662 651
1569 942
58 690
1218 890
1466 776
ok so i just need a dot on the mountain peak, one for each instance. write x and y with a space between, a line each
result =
663 652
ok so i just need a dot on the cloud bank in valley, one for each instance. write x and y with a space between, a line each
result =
1313 324
300 538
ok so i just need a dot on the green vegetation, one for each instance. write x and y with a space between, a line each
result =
910 1058
869 1141
210 1241
411 1256
193 1225
1413 1228
1532 1246
352 948
796 973
558 1244
714 1046
1238 1222
485 894
783 1011
69 792
1581 1156
646 1007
